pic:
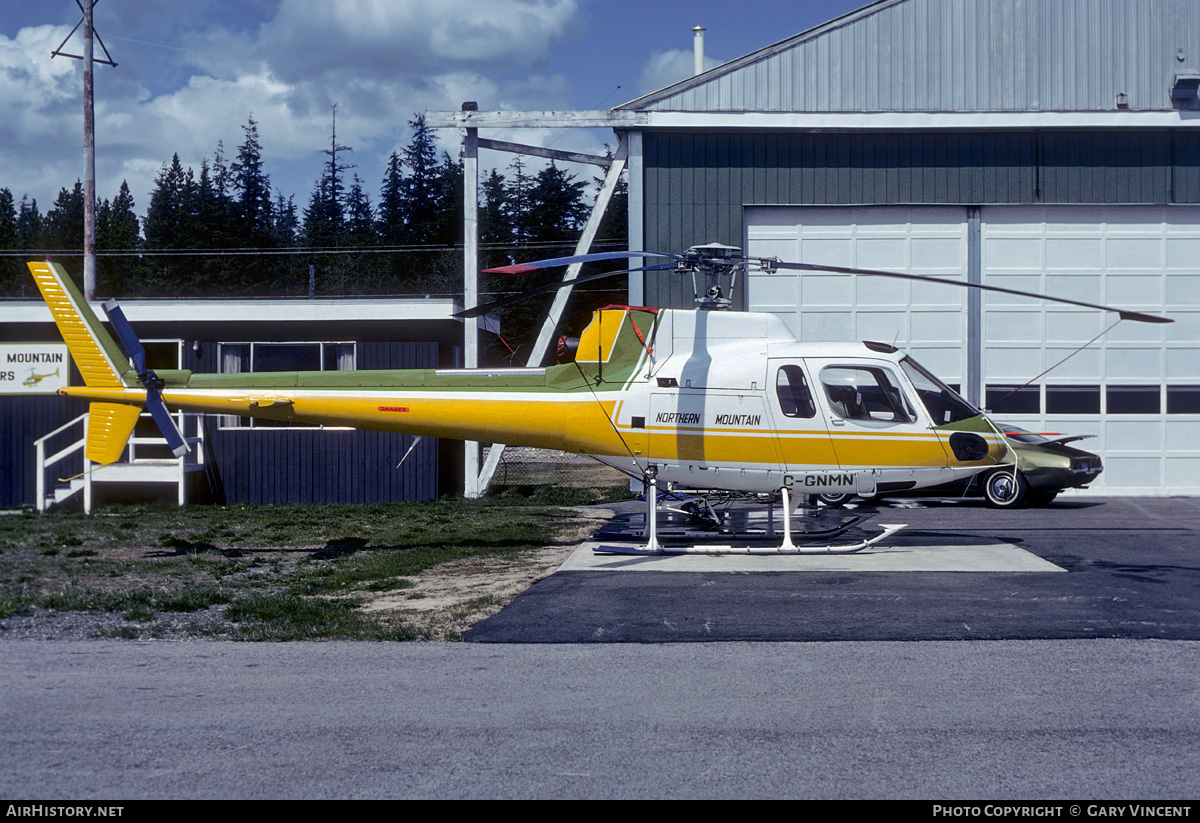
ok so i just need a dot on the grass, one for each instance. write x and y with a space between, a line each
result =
264 572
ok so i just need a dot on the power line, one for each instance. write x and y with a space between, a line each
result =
301 250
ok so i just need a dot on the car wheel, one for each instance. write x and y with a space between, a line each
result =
1005 489
835 500
1038 497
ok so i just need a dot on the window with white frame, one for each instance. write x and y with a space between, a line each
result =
239 358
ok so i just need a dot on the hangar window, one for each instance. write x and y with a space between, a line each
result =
240 358
1183 399
1013 399
1072 400
1133 399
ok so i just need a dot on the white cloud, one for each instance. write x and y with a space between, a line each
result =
35 91
667 67
310 37
379 60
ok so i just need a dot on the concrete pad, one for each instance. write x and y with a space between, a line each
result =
992 557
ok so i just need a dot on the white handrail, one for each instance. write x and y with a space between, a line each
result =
61 428
43 463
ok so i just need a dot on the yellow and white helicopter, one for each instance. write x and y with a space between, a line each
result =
706 399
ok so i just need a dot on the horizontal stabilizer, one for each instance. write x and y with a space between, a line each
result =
109 428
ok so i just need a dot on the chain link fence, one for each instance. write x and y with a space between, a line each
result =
543 467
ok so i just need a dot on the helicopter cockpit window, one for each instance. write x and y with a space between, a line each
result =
792 389
942 402
865 393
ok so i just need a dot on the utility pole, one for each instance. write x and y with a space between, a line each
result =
89 139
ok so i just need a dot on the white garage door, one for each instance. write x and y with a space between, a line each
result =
927 320
1137 388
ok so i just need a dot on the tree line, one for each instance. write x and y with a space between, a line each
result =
225 231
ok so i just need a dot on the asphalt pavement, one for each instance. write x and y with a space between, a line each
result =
796 677
1132 570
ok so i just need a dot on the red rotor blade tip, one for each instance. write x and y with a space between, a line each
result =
515 268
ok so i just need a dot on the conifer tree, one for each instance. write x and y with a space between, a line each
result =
421 195
391 228
287 225
166 216
495 215
30 228
519 186
556 207
448 187
253 188
11 275
64 221
168 225
360 220
117 230
613 231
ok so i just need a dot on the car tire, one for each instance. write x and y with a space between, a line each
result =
835 500
1005 489
1037 497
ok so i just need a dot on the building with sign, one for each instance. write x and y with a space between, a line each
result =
233 459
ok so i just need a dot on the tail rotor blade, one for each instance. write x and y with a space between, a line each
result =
125 335
166 423
154 402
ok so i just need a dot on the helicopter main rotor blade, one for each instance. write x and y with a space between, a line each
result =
526 268
1125 314
484 308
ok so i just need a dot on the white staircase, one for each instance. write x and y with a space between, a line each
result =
53 489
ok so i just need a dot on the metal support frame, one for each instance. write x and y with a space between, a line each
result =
89 136
471 449
974 376
477 483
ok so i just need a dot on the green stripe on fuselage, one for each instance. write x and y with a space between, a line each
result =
569 377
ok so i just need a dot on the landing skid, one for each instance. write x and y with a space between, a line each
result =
741 528
888 530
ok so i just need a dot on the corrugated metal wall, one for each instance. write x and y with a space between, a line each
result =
695 185
271 465
322 466
23 420
961 55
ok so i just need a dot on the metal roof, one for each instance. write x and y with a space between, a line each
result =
960 56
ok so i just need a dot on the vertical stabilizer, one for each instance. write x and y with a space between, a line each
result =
94 351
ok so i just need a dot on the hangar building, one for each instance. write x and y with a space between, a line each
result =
1044 145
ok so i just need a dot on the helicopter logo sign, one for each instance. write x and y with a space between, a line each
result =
33 368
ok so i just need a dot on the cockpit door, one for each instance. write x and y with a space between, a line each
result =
875 424
804 441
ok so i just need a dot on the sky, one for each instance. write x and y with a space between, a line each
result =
192 74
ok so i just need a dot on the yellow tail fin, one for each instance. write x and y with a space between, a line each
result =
93 349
